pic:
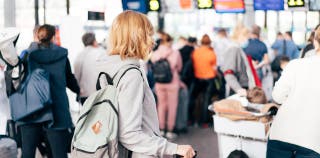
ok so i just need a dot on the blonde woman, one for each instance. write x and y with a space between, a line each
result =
130 41
295 131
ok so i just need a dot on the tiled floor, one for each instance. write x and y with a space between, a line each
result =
202 140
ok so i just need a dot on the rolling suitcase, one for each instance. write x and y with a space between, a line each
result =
182 111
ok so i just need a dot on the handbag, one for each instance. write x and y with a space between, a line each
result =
32 96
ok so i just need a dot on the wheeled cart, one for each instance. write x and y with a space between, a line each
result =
248 136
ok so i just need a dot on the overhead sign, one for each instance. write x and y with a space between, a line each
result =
296 3
135 5
205 4
314 5
229 6
95 15
185 4
268 5
154 5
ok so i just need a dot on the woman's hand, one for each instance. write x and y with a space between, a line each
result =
242 92
182 85
186 151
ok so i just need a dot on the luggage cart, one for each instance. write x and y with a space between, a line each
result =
248 136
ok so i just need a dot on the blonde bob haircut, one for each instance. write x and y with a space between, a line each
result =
131 36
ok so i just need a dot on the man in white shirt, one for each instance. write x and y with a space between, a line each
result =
84 66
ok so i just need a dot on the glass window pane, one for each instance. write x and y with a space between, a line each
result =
312 19
259 18
285 20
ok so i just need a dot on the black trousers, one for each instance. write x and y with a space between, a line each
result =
56 140
204 89
279 149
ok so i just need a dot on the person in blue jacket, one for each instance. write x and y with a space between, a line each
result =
53 59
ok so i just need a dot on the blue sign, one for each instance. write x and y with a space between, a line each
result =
268 5
135 5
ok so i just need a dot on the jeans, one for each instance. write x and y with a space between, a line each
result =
56 140
278 149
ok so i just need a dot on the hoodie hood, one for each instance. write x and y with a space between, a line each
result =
112 63
48 55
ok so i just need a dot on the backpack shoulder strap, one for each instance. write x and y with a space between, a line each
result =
107 77
117 77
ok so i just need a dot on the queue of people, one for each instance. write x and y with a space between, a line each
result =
147 116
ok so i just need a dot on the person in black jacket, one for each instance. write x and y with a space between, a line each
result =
53 59
187 69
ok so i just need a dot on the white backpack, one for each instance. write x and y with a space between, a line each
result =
96 132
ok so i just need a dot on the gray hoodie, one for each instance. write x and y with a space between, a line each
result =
138 119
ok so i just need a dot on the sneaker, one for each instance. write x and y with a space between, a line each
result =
171 135
162 133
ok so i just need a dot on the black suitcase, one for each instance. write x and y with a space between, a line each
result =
182 111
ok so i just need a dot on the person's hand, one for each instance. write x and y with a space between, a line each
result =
186 151
242 92
182 85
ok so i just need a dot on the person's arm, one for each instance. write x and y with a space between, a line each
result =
283 86
130 99
72 83
229 67
214 61
296 53
264 61
179 62
78 66
275 47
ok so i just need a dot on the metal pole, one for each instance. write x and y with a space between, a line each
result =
9 13
265 19
292 23
161 15
278 21
36 12
68 7
44 11
306 30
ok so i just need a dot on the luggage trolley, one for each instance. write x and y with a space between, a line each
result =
247 136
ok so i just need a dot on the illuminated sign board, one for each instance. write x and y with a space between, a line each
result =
95 15
135 5
154 5
205 4
186 4
229 6
295 3
268 5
